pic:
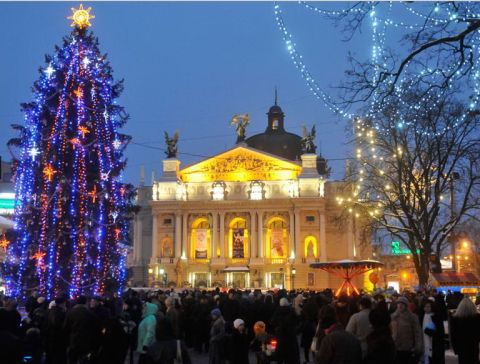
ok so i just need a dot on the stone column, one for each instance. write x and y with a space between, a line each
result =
154 239
253 251
323 238
222 234
178 234
291 233
214 234
184 246
137 243
260 241
298 242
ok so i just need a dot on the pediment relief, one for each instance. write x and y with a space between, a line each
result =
241 164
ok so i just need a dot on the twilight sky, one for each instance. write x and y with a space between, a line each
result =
188 66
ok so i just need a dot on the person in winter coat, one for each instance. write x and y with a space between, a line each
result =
406 333
465 333
309 324
217 338
380 345
10 318
173 315
259 342
163 350
359 323
239 343
284 324
338 346
433 334
56 348
82 330
146 329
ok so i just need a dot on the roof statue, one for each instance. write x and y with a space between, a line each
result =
171 143
308 145
241 122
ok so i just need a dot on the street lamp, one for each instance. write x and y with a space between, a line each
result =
294 272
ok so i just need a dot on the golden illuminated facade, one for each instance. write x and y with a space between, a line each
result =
244 218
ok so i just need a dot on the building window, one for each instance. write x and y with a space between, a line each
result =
218 191
167 221
256 190
310 218
274 124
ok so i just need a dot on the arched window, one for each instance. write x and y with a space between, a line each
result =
167 247
238 239
200 241
310 246
277 238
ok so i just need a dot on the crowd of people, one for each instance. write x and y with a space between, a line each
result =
240 327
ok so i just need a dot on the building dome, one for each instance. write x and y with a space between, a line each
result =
276 140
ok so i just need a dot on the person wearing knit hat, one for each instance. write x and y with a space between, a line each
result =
216 313
217 334
404 300
406 332
237 323
239 343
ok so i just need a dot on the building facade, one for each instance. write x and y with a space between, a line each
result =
256 215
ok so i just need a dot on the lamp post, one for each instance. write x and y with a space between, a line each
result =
163 275
294 272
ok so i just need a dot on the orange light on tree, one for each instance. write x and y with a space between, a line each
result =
83 130
93 194
48 172
4 243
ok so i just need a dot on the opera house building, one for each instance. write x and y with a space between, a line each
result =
256 215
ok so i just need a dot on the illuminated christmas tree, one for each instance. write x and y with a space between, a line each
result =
72 211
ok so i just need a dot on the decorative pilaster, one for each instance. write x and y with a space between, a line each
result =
184 234
222 234
178 234
298 243
323 237
137 241
260 242
154 239
291 232
253 238
214 234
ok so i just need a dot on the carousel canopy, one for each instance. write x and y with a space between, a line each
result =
347 263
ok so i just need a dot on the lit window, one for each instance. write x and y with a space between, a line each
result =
218 191
256 191
275 124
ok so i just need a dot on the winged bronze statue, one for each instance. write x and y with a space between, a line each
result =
308 145
171 144
241 122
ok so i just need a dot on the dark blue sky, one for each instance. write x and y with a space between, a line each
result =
188 66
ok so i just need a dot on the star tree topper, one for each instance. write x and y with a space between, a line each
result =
81 17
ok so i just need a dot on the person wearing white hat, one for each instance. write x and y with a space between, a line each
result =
239 344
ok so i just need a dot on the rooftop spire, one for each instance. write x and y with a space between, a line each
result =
276 96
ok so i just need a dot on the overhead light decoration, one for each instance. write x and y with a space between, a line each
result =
81 17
